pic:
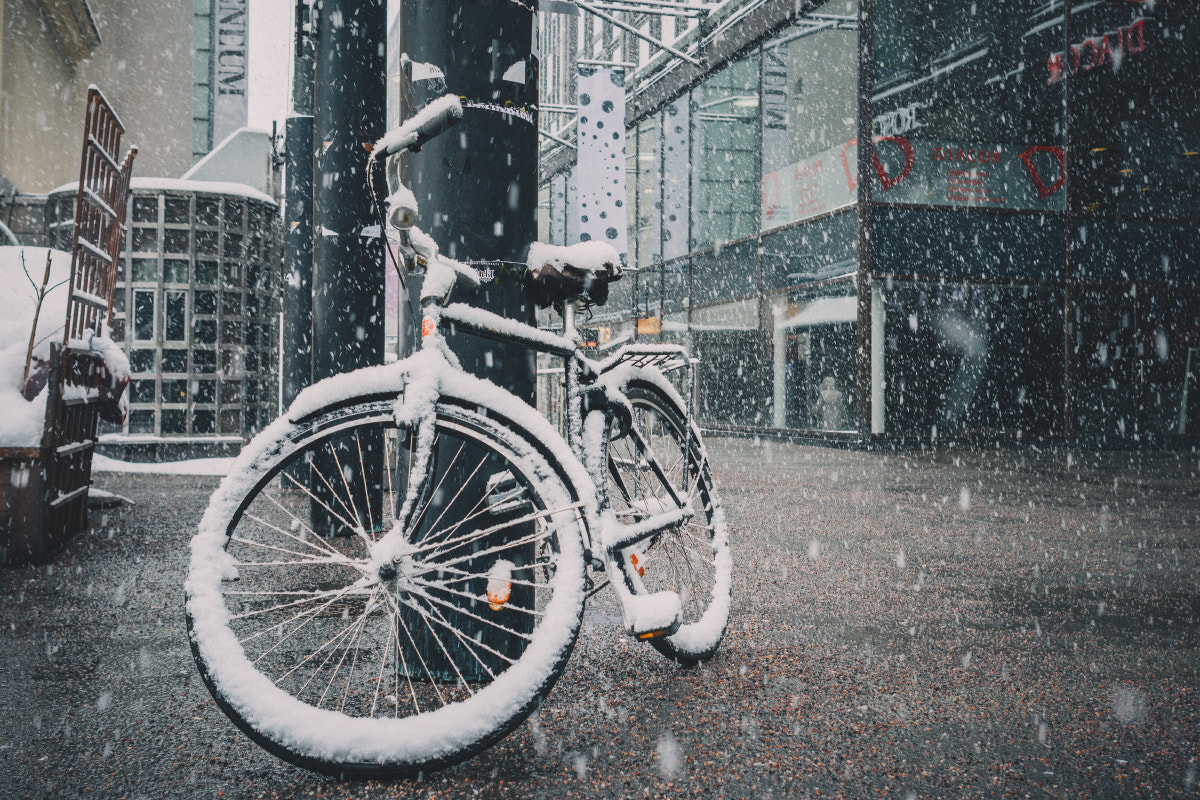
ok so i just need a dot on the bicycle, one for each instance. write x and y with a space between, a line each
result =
447 607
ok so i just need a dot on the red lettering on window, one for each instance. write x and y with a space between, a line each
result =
1026 157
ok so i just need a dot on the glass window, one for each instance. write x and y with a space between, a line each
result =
1135 107
231 303
813 373
204 391
809 108
174 421
145 270
142 360
174 360
204 421
929 242
676 132
966 113
648 185
231 421
141 391
821 249
145 240
205 302
962 358
175 270
143 315
724 154
175 391
145 209
206 272
176 210
118 330
231 391
208 211
175 317
204 331
175 240
207 243
204 361
141 421
727 342
726 272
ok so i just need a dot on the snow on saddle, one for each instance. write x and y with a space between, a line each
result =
576 273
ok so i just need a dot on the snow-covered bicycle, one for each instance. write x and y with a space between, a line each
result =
469 532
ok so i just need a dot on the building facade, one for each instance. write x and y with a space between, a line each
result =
1014 257
197 311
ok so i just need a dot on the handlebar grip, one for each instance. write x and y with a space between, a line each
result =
435 118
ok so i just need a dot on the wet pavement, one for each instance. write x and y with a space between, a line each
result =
958 623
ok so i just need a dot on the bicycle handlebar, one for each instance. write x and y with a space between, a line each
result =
435 118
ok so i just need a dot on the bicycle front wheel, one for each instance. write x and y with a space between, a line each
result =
657 467
350 665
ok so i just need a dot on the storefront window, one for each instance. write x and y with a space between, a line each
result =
1133 73
724 154
813 367
981 359
809 107
727 342
820 250
965 113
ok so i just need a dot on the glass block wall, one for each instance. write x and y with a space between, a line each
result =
197 309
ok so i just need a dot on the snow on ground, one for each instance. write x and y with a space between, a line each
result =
194 466
21 422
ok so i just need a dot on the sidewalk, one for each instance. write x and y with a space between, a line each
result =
953 624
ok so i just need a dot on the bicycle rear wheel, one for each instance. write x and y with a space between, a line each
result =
653 469
350 665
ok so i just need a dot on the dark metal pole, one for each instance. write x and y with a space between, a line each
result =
348 283
477 185
477 190
296 358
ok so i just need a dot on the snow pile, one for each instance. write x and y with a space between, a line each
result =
21 422
593 257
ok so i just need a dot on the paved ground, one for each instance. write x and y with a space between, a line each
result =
953 624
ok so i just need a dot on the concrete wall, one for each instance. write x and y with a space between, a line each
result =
144 66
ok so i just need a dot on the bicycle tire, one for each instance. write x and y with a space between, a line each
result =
693 558
479 669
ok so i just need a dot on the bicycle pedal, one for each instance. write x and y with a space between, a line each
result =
649 616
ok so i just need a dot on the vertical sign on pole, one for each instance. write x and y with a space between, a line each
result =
601 161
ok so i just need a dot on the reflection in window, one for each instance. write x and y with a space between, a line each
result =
175 317
647 184
145 270
204 391
724 154
814 368
143 315
676 132
809 107
206 272
175 270
965 113
961 357
205 302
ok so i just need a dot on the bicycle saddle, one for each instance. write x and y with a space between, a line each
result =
575 273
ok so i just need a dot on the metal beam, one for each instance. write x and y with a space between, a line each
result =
625 26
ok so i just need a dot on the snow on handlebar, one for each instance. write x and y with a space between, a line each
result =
436 117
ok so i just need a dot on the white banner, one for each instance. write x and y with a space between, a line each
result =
230 42
600 170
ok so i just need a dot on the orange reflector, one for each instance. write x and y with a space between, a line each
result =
427 327
498 595
641 571
652 634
